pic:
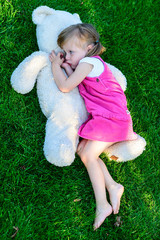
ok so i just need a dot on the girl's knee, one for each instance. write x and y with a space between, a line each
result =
85 156
89 150
81 153
81 147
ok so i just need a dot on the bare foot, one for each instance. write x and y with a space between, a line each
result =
115 193
101 214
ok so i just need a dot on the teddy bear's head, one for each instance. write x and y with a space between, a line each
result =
50 23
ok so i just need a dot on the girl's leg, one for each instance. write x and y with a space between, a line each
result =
115 190
89 152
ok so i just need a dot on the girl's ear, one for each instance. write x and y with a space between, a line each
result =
89 47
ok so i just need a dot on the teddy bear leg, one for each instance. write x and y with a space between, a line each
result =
60 144
126 150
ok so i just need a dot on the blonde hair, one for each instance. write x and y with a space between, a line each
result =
85 33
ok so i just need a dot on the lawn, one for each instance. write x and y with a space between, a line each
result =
42 201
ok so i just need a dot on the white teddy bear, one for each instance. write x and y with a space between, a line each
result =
65 112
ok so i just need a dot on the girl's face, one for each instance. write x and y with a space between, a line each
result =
74 52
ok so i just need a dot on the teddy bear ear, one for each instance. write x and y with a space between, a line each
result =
76 16
40 13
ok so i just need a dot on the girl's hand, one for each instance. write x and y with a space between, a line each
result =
56 59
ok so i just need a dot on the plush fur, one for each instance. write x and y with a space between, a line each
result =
65 112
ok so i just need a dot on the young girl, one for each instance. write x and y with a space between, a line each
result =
109 120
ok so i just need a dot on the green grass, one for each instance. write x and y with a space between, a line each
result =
38 197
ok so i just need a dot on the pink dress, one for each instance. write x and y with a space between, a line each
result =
109 119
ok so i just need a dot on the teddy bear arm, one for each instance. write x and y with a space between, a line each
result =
118 76
24 76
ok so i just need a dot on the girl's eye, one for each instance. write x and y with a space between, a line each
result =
71 52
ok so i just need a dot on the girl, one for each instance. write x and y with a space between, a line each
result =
109 120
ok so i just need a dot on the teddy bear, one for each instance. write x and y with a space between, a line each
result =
65 112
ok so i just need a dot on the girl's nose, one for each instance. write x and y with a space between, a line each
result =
67 56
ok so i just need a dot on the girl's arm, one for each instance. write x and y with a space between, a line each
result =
66 84
67 68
